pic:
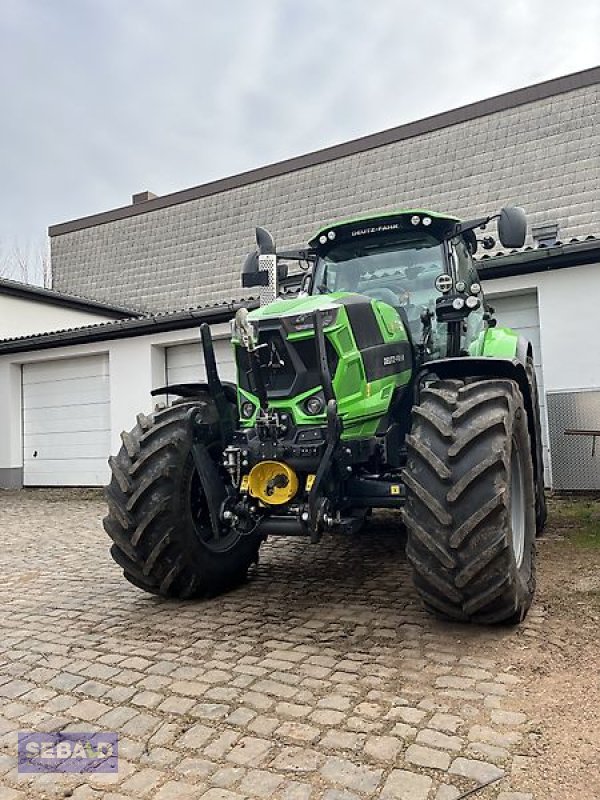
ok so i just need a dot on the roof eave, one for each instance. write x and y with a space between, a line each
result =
40 295
541 259
127 328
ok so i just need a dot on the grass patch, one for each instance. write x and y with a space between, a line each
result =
587 538
578 518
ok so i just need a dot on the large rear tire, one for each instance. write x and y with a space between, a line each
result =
470 509
157 515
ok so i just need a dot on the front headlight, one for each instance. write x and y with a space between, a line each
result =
304 322
247 409
314 405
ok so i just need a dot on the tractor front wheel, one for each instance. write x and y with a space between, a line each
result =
158 518
471 505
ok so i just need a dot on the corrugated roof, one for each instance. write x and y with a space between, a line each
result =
29 291
542 246
129 326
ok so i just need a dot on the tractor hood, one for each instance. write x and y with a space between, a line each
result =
298 305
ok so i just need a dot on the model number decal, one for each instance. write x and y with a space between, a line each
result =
397 358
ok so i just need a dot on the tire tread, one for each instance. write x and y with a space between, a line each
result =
457 480
152 539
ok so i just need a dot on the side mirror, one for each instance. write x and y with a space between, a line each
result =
512 227
282 271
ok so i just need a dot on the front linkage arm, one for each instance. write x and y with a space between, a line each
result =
317 504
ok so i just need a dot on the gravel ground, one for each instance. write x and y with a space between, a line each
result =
319 678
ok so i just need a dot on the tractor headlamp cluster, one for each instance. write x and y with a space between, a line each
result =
443 283
305 322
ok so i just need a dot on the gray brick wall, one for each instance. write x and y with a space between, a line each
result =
544 155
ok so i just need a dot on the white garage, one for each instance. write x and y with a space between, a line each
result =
185 362
66 421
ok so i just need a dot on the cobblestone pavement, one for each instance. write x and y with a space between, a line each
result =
320 678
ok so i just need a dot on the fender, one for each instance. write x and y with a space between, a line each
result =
503 342
194 389
494 367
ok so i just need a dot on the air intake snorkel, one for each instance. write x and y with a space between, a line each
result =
261 268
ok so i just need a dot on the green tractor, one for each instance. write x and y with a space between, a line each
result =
385 383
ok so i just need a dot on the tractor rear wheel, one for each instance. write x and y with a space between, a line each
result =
470 509
157 514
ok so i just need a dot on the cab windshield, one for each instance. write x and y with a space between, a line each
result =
400 270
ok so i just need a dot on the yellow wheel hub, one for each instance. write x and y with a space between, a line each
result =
272 482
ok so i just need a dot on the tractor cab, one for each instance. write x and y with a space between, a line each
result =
395 258
413 260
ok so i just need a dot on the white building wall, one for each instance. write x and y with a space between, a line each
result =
11 431
20 317
136 367
569 311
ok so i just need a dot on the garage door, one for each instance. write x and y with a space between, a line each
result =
521 313
185 362
66 422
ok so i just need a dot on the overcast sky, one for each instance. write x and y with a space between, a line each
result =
104 98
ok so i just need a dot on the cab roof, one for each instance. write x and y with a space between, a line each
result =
378 216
